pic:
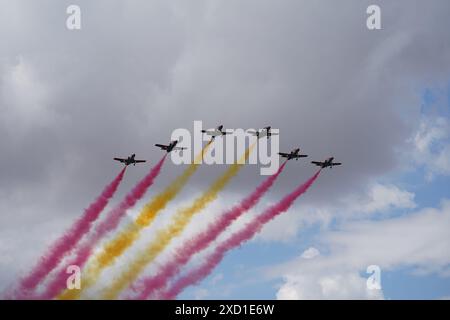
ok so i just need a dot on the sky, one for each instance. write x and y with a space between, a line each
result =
377 100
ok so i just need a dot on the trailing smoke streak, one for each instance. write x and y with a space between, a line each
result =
67 241
197 274
111 221
179 222
117 246
151 284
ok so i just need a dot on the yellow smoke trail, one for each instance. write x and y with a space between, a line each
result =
164 236
115 247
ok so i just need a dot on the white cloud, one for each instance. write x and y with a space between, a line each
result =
326 286
432 146
381 198
310 253
321 284
378 198
288 292
429 131
419 240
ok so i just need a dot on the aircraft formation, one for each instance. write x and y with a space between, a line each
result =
219 131
96 247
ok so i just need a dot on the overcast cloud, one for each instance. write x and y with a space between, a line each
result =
72 100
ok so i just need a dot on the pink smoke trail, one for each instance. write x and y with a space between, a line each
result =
199 273
68 240
151 284
111 221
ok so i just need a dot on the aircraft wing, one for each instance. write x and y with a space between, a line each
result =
163 147
215 133
336 163
317 163
285 155
211 132
140 161
120 160
300 156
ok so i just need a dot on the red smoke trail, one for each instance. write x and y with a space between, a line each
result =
111 221
182 255
199 273
68 240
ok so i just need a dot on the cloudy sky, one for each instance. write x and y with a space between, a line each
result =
378 100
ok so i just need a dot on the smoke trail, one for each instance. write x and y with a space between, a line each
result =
237 238
67 241
117 246
180 221
182 255
111 221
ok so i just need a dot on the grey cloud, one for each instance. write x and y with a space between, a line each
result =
138 70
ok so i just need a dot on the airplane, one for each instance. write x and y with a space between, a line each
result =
293 154
327 163
129 160
216 132
264 132
170 147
